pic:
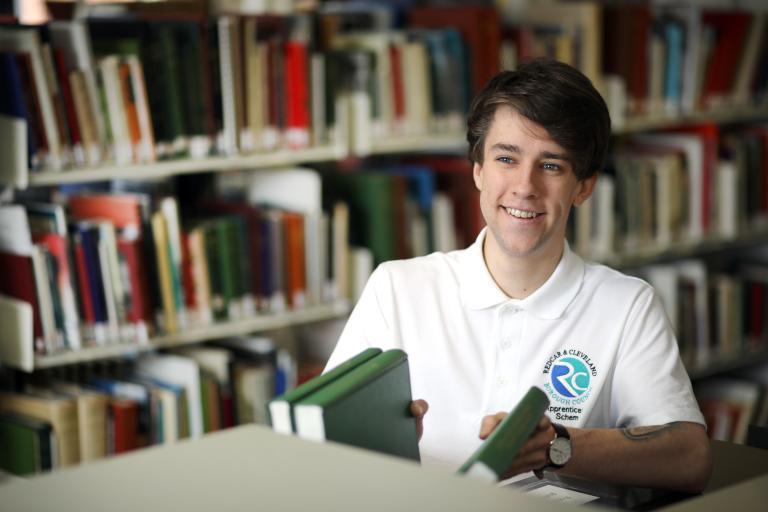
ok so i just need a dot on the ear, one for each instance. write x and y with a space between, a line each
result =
477 174
586 187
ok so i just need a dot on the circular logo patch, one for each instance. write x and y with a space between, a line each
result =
570 377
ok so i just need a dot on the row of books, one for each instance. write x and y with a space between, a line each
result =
364 402
103 266
654 59
109 267
688 57
680 186
717 314
109 409
732 404
136 88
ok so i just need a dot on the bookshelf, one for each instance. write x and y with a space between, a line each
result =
165 169
388 133
260 323
710 246
736 114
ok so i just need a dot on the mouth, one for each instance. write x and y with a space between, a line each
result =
521 214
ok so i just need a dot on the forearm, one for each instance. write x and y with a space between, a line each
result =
674 456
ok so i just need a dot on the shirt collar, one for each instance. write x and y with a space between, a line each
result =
480 291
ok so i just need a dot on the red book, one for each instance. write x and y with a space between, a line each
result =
122 210
710 136
295 280
626 31
19 283
187 277
131 252
129 103
638 70
730 28
69 103
479 26
296 95
396 59
124 425
227 409
86 304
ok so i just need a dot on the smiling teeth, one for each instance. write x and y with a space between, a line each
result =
521 213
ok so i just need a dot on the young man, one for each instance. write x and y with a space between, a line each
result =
518 308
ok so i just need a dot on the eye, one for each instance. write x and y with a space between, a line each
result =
507 160
549 166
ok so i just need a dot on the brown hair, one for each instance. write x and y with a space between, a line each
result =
554 95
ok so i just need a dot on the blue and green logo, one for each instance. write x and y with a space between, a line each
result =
570 377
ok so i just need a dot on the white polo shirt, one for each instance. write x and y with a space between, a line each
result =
596 341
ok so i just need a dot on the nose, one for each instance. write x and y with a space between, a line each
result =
524 180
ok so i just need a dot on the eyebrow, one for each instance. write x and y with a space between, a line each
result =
512 148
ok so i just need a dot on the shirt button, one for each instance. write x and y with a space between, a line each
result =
501 381
506 343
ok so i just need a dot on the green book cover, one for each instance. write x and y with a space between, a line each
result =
25 445
229 260
496 453
371 198
368 407
187 37
280 412
219 300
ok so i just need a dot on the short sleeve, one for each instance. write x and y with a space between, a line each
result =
650 385
367 326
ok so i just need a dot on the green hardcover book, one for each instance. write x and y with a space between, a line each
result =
219 300
25 444
280 409
371 198
229 263
368 407
495 455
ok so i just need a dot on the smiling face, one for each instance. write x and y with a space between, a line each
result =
527 187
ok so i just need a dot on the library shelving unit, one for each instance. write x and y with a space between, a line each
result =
263 322
16 346
18 351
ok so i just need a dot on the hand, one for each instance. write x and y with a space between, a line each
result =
418 409
533 455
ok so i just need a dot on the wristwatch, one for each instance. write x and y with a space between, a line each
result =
559 450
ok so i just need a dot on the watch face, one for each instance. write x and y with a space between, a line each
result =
560 451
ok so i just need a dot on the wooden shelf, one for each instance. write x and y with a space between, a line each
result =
165 168
281 158
420 143
725 364
705 247
196 335
720 116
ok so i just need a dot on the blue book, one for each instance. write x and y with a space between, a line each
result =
12 102
89 236
673 87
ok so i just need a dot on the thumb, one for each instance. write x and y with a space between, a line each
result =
419 408
490 423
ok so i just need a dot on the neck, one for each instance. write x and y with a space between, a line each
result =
520 276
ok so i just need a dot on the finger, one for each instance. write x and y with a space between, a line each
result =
490 423
544 423
419 408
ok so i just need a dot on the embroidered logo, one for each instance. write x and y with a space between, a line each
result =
569 374
570 377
